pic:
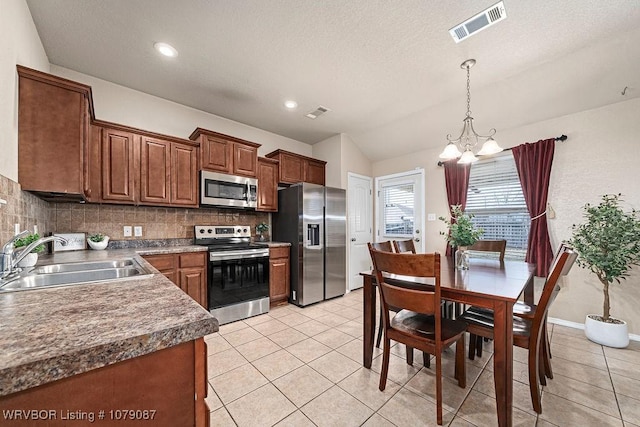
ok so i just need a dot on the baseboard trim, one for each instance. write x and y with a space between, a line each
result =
576 325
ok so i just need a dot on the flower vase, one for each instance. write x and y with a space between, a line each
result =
462 258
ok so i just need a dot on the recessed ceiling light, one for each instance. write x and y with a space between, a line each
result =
166 49
290 104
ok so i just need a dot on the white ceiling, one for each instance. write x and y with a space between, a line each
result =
388 70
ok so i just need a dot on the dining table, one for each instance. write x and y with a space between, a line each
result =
488 283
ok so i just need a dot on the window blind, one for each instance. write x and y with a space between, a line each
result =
398 213
495 198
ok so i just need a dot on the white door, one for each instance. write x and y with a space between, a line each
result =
360 212
400 207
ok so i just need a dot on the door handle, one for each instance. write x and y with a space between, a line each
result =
417 239
353 239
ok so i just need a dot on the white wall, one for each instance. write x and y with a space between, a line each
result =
119 104
19 44
329 150
353 160
599 157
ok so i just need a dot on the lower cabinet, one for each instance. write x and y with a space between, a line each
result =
279 271
155 389
187 270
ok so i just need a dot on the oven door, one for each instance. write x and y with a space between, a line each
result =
218 189
237 277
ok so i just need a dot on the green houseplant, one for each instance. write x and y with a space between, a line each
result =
31 259
262 229
98 241
461 234
608 245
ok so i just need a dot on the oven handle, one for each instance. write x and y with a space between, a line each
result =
231 255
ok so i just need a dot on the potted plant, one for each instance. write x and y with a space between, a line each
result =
31 259
461 234
98 241
608 245
262 229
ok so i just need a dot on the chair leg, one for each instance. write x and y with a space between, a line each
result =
439 388
479 345
426 359
534 386
409 351
460 370
385 364
546 352
472 346
380 327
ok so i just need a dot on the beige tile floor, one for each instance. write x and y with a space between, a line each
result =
303 367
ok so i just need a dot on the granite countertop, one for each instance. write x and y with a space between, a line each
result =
273 244
54 333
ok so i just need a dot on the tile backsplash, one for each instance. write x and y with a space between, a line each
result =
157 223
22 208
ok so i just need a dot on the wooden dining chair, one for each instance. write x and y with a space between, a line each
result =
404 246
498 246
418 324
528 328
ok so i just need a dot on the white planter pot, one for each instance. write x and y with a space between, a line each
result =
98 246
28 261
609 334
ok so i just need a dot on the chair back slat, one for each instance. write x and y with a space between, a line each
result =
381 246
409 299
404 246
498 246
561 266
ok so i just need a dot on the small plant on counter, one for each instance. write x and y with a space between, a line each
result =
27 240
262 227
97 237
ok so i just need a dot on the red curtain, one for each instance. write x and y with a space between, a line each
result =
456 177
534 169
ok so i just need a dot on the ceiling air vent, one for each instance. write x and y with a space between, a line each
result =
482 20
317 112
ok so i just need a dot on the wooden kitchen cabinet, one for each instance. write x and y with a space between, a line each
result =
119 161
184 174
267 185
296 168
226 154
172 383
186 270
53 132
279 274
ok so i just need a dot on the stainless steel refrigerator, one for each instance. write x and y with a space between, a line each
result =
313 219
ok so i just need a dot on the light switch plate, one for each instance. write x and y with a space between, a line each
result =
137 231
126 230
431 217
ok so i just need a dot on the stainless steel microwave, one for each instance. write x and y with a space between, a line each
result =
219 189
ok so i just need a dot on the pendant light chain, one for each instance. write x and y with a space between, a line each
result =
468 92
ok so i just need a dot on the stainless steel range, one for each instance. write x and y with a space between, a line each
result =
238 272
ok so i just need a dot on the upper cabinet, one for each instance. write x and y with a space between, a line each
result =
267 185
297 168
139 167
226 154
53 134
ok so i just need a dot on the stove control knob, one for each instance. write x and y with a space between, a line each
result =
244 230
202 231
209 231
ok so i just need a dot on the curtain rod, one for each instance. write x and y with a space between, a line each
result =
557 138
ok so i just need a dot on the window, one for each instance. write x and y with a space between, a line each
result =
398 209
495 198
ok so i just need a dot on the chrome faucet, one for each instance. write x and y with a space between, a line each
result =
10 259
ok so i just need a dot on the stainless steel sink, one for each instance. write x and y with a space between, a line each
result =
84 266
66 274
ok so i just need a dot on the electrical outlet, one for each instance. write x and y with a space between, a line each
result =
137 231
126 230
431 217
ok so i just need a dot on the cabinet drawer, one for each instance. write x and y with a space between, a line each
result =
279 252
196 259
161 262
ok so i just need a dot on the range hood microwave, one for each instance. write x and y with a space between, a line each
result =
230 191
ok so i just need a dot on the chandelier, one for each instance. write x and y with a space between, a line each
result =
462 147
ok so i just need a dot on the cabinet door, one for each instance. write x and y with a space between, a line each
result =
267 186
278 279
184 175
155 172
193 283
118 166
314 172
216 154
291 169
245 160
